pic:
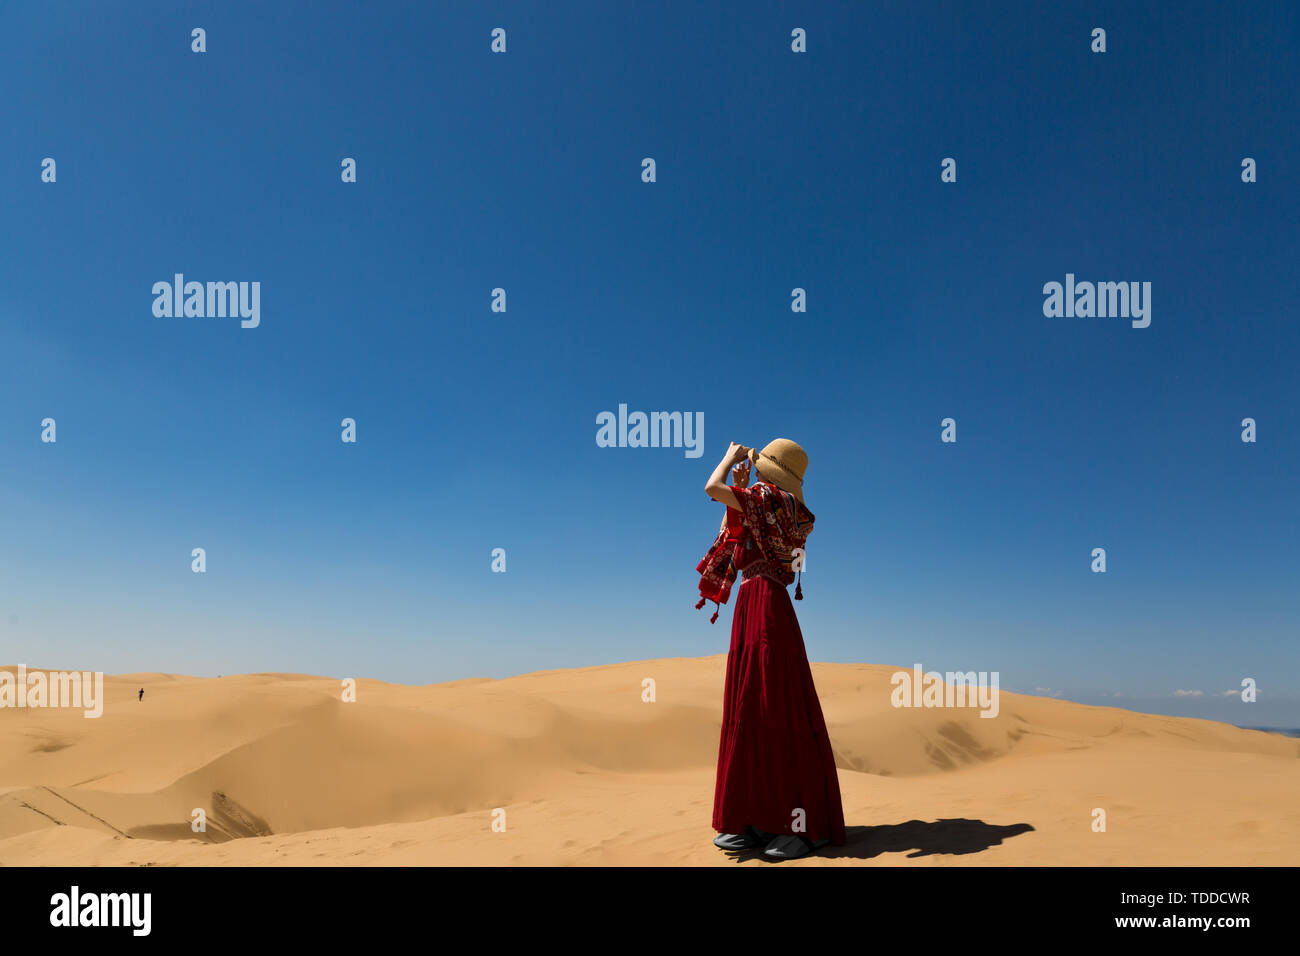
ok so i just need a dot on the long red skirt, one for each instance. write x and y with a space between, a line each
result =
774 756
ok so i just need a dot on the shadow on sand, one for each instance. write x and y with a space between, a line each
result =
915 838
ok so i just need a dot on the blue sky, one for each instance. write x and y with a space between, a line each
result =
476 429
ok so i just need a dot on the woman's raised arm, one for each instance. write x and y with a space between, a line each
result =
716 487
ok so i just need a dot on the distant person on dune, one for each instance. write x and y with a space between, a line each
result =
141 693
777 787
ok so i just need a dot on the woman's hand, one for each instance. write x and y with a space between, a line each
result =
740 474
717 488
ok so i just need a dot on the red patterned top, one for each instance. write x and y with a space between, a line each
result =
760 538
777 523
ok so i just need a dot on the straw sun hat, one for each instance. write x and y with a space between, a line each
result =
782 463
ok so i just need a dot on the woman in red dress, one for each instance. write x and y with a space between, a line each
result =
777 786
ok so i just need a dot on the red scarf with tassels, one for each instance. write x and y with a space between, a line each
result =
765 532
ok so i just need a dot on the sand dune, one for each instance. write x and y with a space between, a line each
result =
587 773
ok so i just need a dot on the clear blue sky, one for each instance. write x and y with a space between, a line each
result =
476 429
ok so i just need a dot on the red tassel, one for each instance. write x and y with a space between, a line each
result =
714 619
700 605
798 587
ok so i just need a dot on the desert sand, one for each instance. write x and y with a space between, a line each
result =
589 774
